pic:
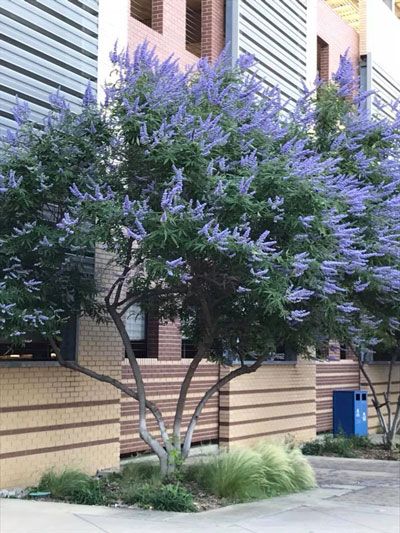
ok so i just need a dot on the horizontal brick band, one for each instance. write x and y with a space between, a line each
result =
44 406
268 419
265 434
257 405
52 449
38 429
264 391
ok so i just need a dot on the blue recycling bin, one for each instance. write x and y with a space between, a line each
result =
350 412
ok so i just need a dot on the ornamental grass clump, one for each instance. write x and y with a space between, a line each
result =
268 469
236 475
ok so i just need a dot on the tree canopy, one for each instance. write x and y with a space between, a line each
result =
254 223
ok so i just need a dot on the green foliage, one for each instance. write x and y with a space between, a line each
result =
340 446
267 470
169 497
235 475
72 486
276 468
301 473
140 471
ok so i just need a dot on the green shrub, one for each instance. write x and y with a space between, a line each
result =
173 498
160 497
72 486
313 447
233 475
140 471
340 445
359 442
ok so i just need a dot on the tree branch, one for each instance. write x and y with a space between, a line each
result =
73 365
371 386
137 374
243 369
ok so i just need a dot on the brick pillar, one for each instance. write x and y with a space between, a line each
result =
169 341
323 59
164 339
152 336
157 15
212 28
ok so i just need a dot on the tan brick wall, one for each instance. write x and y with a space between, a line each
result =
378 373
51 417
332 375
276 401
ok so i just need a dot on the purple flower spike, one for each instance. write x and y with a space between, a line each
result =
175 263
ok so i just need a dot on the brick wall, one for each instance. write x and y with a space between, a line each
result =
338 35
344 375
332 375
51 417
163 379
378 373
276 401
169 30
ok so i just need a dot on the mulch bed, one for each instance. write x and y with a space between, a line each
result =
379 452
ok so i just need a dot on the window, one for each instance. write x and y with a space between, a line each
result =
322 59
193 27
284 353
188 349
36 348
136 327
343 351
141 10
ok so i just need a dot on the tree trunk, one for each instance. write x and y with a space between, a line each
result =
243 369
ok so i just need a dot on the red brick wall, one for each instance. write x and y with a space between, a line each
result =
213 35
169 17
338 35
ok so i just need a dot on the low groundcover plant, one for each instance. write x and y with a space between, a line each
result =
265 470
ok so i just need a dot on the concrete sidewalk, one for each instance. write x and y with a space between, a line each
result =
355 496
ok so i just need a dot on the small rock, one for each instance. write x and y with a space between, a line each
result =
13 493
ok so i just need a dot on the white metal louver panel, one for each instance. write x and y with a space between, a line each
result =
276 34
46 45
387 88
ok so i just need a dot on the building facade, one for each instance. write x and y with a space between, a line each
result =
50 416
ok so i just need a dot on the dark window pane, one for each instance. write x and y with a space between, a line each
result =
188 349
193 27
141 10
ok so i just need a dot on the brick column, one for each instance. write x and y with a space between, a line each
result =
164 339
323 59
169 341
212 28
157 15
